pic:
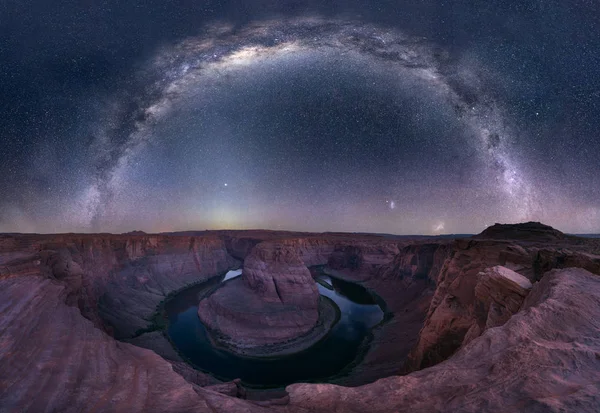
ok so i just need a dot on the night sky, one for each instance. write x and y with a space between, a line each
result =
414 117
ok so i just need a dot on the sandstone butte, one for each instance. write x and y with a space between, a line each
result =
274 301
506 321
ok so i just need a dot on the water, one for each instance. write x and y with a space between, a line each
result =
232 274
359 313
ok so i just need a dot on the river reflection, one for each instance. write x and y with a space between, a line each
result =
359 313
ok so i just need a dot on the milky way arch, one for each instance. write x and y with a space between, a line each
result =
180 70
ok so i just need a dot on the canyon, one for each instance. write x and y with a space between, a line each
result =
507 320
274 301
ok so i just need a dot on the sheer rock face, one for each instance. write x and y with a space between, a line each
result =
275 300
547 259
406 284
484 356
451 312
54 360
313 251
453 319
362 259
117 281
240 246
416 262
546 358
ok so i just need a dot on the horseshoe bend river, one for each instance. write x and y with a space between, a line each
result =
359 313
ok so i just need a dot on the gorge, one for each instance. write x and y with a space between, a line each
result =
356 311
486 323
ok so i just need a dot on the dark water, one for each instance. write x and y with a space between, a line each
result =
359 313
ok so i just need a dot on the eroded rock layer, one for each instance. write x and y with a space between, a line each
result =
453 313
116 280
544 359
274 301
499 328
54 360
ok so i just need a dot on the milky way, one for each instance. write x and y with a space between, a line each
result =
199 63
306 123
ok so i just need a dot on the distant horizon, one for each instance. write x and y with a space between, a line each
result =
309 118
275 230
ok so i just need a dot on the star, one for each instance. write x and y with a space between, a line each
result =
314 119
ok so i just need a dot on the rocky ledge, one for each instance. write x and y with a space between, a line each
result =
506 321
545 358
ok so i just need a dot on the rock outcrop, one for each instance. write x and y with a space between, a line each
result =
546 358
466 308
274 301
453 313
54 360
499 294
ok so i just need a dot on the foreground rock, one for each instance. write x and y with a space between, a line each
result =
499 294
491 342
54 360
546 358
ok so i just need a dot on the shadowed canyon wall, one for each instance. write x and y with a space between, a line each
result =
493 303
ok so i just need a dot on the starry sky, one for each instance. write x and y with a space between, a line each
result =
406 117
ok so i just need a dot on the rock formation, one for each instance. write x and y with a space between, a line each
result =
498 322
362 259
452 312
53 359
499 294
406 284
117 281
274 301
528 231
544 359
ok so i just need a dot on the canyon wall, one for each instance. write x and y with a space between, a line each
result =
452 319
543 359
117 281
497 331
54 360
